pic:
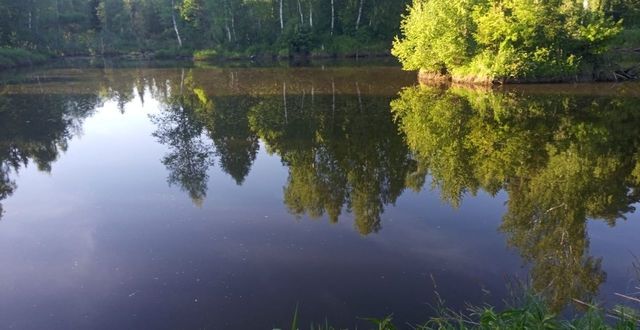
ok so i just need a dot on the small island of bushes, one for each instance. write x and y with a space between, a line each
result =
511 41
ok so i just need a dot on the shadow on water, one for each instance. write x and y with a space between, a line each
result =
562 159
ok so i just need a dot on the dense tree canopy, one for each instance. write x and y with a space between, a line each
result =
251 26
509 40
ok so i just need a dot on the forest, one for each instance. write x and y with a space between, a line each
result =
206 29
464 40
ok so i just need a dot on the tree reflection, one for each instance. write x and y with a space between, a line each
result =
7 186
561 159
197 128
343 151
190 154
228 126
37 128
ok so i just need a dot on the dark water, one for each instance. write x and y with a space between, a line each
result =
223 197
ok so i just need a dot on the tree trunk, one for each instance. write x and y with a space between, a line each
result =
300 11
310 15
233 27
333 16
58 18
359 15
175 25
281 18
226 26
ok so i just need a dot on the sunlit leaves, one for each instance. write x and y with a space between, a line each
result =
491 40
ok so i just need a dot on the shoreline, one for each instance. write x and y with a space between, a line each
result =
139 56
620 75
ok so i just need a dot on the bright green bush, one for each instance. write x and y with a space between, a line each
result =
437 35
491 40
206 55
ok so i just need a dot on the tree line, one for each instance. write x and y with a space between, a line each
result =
249 27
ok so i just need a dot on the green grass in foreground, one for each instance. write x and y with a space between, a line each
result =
528 312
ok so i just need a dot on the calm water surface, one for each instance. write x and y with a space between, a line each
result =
223 197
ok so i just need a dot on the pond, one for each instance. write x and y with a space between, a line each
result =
209 197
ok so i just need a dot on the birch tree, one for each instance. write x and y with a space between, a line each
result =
175 24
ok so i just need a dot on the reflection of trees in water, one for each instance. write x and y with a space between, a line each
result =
36 128
236 146
197 128
340 151
190 154
561 159
40 116
7 186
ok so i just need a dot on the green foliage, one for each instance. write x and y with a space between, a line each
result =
206 55
233 28
298 41
629 39
172 53
528 311
492 40
437 35
15 57
384 323
342 45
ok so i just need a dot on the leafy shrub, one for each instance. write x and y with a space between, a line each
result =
500 40
206 55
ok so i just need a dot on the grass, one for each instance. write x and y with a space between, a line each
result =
529 311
